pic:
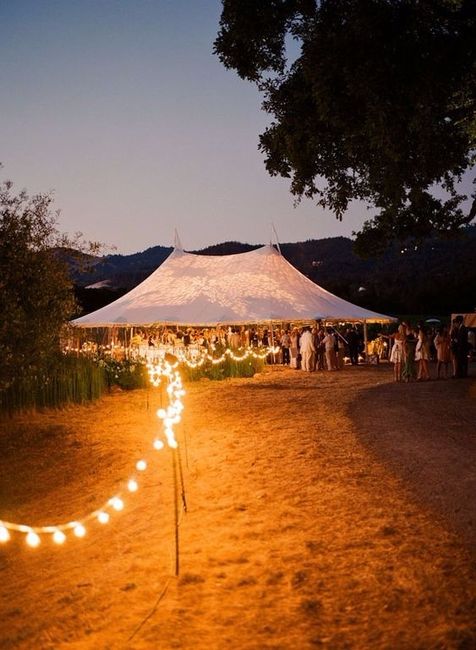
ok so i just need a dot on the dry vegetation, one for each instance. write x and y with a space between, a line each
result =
325 511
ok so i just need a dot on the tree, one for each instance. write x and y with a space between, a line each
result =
378 105
36 297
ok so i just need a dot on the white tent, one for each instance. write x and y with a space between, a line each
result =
258 286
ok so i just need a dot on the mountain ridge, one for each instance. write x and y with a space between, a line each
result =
433 276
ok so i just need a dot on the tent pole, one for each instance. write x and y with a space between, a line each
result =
272 341
365 341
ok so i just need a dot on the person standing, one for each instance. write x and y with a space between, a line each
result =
461 347
294 349
397 355
307 349
408 370
285 345
353 343
329 342
422 354
442 343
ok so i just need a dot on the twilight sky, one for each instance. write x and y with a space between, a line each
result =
121 108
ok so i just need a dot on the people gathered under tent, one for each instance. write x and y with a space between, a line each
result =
314 347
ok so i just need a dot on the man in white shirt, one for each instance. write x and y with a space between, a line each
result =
306 349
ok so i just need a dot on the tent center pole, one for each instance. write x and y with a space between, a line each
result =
365 341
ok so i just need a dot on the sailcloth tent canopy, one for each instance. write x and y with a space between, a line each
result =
257 286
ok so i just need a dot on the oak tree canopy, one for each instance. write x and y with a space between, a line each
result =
369 99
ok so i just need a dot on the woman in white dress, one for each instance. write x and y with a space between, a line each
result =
422 354
397 355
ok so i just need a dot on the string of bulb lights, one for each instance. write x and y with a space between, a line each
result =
183 355
170 416
249 352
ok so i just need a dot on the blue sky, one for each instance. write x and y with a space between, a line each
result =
121 108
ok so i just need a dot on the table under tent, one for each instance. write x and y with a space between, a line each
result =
256 288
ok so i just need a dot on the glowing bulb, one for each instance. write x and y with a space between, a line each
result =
117 503
141 465
158 444
4 534
32 539
132 486
161 413
59 537
103 517
79 530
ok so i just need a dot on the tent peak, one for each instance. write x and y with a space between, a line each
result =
275 233
177 243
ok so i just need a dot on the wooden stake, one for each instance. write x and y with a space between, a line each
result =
176 513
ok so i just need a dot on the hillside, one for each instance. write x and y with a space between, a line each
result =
436 276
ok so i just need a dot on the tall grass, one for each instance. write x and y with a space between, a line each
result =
68 380
228 368
76 380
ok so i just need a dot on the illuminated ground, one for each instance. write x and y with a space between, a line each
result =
333 510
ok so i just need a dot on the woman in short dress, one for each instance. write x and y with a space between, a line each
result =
422 354
397 355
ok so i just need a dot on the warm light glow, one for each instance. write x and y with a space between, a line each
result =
59 537
79 530
132 486
169 416
4 534
117 503
32 539
103 517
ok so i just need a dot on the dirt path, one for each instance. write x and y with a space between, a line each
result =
306 528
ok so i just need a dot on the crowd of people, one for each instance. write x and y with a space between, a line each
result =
322 347
319 347
307 348
208 339
411 351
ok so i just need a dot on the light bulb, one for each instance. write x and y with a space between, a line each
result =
117 503
79 530
158 444
103 517
132 486
141 465
4 534
32 539
59 537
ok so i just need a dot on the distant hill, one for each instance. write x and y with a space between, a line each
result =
437 276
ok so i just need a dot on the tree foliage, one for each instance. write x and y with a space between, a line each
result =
378 105
36 297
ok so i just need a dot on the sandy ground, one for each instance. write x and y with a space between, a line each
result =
332 510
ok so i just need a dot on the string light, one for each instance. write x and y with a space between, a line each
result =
103 517
59 537
132 486
4 534
79 530
32 539
169 417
